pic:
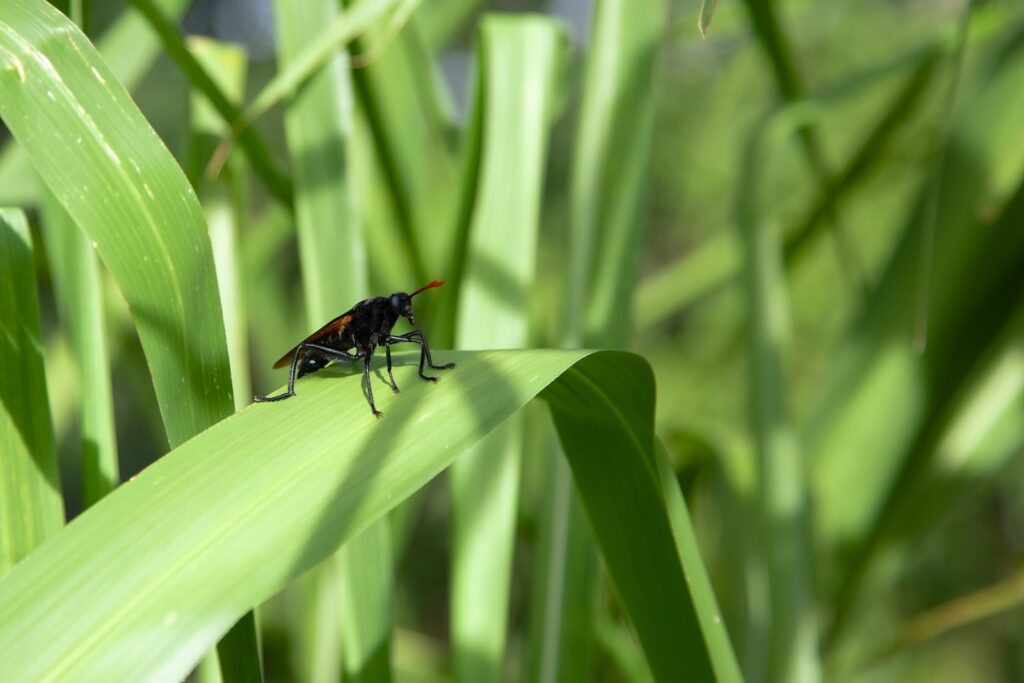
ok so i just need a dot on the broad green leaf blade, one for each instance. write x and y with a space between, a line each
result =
610 446
31 507
519 60
122 188
228 518
723 658
74 269
613 141
75 273
129 49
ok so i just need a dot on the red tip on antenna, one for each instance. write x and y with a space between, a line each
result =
429 285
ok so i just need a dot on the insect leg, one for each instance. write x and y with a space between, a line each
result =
334 353
369 389
291 381
417 337
344 356
387 350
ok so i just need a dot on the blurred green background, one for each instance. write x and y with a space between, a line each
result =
810 221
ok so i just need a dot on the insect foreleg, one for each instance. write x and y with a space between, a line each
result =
366 378
387 352
417 337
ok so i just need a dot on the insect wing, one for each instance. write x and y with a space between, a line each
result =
333 327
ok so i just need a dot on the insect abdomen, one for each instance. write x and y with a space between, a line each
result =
311 362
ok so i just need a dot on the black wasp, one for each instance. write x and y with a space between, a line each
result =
363 327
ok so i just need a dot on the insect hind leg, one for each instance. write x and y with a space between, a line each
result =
295 371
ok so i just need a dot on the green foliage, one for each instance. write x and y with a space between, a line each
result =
806 218
31 502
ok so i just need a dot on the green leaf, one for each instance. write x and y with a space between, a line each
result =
332 256
712 624
887 404
31 508
229 517
610 446
224 204
519 59
122 187
610 168
254 147
318 123
707 10
783 540
444 21
405 120
74 269
224 201
308 58
129 49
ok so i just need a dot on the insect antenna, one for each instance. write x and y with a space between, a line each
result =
429 285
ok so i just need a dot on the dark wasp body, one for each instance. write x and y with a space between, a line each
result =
363 328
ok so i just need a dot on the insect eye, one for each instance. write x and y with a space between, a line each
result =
396 303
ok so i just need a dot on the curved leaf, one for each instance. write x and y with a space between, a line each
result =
31 509
113 175
141 584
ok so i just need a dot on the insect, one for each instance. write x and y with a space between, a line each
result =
363 327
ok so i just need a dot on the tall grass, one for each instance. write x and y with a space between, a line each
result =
778 481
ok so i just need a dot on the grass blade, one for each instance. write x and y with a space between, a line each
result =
226 519
445 20
974 293
723 659
608 177
255 149
309 57
707 10
610 446
519 57
224 203
869 153
609 169
784 540
77 288
31 507
407 127
124 190
319 124
129 50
